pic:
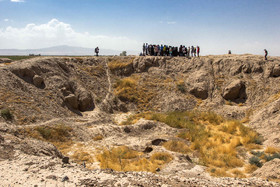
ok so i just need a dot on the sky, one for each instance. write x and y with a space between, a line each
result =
242 26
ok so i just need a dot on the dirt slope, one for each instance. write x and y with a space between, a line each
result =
90 96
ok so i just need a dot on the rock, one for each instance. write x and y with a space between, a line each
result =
85 100
148 150
188 158
38 148
234 90
158 141
65 179
53 177
199 84
38 81
127 130
65 160
199 92
276 71
71 100
148 126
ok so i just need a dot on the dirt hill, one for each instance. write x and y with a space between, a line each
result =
187 120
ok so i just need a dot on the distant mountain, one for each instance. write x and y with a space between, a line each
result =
63 50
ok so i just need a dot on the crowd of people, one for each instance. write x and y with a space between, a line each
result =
165 50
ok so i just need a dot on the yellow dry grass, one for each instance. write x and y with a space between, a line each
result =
215 138
97 70
98 137
130 90
272 150
250 168
117 64
124 159
238 173
177 146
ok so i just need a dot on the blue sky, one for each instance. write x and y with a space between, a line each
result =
244 26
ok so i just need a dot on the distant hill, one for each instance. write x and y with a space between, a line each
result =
62 50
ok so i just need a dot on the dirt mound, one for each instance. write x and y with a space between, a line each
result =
269 170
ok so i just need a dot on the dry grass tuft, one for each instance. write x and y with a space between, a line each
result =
272 150
219 172
250 168
117 64
98 137
124 159
129 90
82 156
238 173
177 146
55 133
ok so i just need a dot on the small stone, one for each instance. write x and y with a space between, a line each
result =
38 81
65 179
65 160
72 101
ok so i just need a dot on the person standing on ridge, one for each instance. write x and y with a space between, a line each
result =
96 51
144 49
192 50
198 51
265 54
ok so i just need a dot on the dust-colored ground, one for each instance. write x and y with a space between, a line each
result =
75 107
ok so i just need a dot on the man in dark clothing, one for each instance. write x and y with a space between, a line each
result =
96 51
198 50
265 54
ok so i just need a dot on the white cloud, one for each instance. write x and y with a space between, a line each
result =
6 20
59 33
17 1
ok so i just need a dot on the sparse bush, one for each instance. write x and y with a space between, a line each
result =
56 133
181 87
6 114
271 157
123 53
98 100
163 157
257 153
256 161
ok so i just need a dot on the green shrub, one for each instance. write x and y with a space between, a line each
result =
57 133
257 153
181 88
271 157
255 161
6 114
